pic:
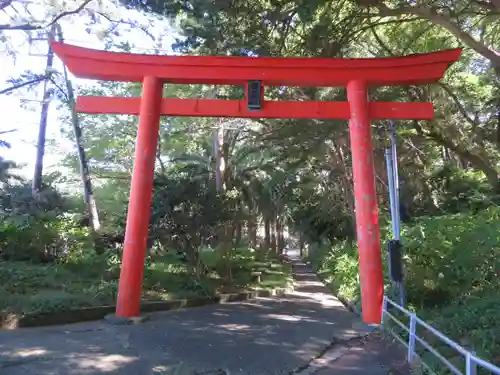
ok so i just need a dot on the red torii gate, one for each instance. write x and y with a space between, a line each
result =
255 73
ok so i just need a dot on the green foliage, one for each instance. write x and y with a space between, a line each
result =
472 320
451 256
187 214
319 221
338 266
36 228
92 280
42 238
458 190
452 274
52 287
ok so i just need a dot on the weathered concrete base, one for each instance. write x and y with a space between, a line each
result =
118 321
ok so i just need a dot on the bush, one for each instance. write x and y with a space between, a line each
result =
449 257
36 228
50 287
460 190
88 279
42 238
452 267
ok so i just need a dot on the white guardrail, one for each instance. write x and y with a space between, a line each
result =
472 363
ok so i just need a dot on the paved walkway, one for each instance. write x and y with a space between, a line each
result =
308 331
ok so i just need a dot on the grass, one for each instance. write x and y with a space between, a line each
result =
452 279
93 281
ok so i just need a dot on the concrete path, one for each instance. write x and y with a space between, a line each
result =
308 331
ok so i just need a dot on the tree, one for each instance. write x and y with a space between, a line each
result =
463 20
44 113
88 195
53 15
315 153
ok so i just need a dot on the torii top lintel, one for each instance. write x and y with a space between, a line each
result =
234 70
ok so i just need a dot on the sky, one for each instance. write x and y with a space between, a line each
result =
33 58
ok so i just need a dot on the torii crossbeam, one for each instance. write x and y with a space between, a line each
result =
255 73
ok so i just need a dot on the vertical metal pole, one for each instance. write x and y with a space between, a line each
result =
367 227
411 338
392 171
401 292
139 207
470 364
390 182
384 310
396 218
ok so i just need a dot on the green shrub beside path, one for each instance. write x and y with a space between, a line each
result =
452 275
93 281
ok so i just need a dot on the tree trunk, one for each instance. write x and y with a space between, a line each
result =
498 110
267 232
84 169
346 180
273 246
279 235
224 166
44 114
163 168
238 232
216 146
252 230
228 249
445 155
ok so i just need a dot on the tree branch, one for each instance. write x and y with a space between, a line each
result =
381 43
129 23
5 3
29 26
443 21
477 161
61 90
23 84
495 3
7 131
458 104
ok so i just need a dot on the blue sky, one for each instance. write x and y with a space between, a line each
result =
26 120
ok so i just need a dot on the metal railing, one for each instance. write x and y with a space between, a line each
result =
472 363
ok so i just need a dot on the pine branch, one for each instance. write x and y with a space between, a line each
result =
461 108
23 84
443 21
5 3
30 26
7 131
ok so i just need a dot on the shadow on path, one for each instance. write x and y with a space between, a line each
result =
264 336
